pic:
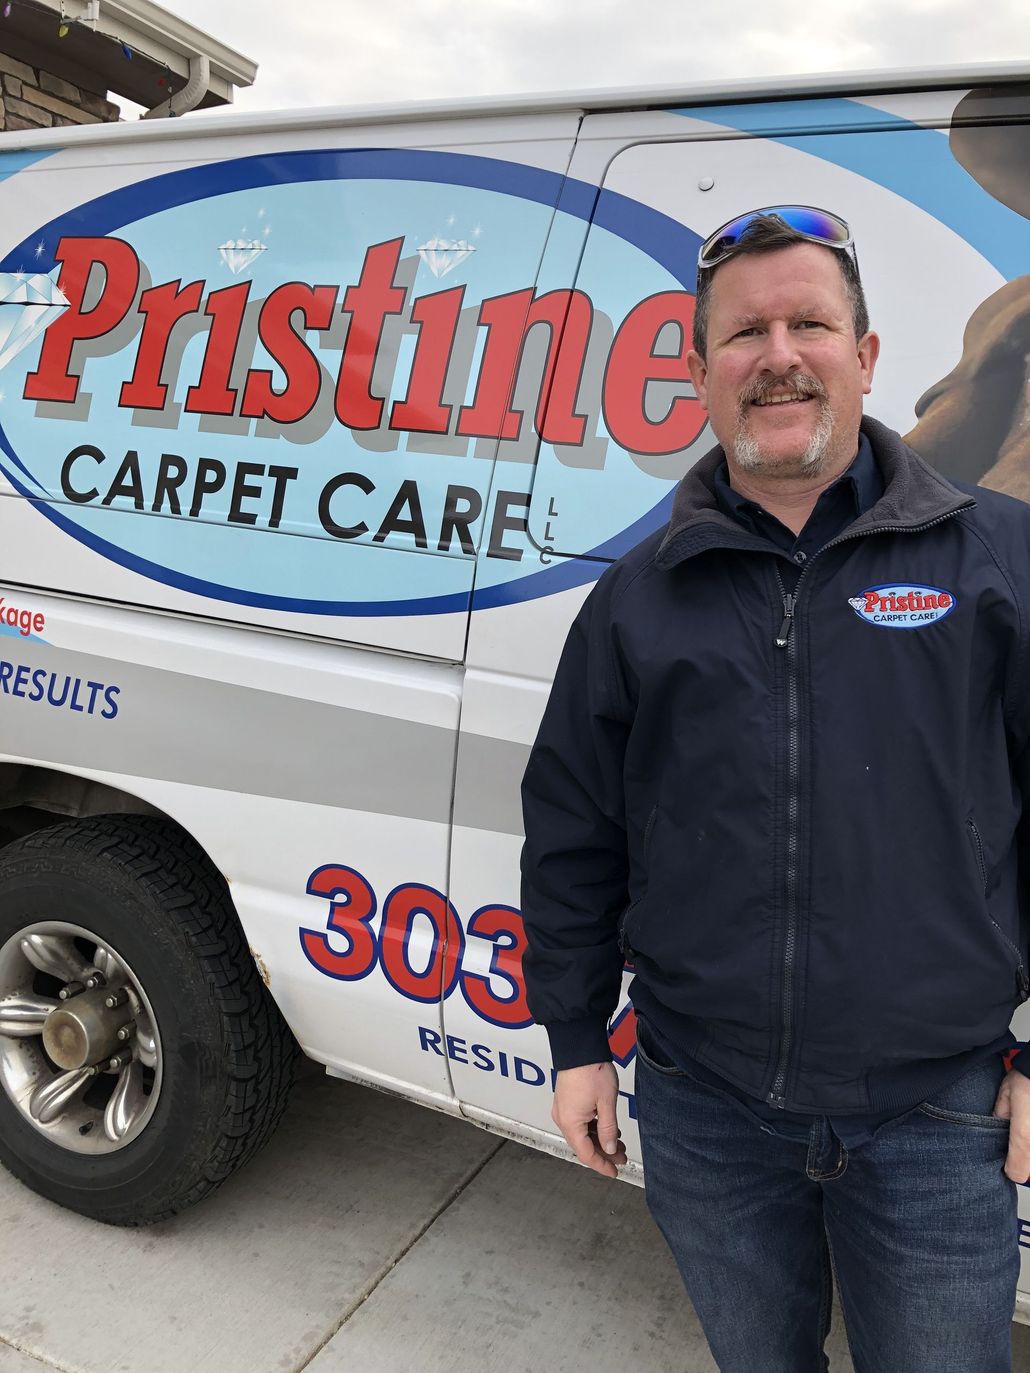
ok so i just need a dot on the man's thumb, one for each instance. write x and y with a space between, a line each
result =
607 1131
1003 1104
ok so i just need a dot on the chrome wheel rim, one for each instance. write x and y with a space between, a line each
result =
87 1076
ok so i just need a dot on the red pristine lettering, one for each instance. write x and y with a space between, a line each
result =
162 307
315 306
52 379
633 364
368 303
640 362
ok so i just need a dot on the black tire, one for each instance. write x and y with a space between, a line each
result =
228 1056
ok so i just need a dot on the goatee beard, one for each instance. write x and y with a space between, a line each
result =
747 452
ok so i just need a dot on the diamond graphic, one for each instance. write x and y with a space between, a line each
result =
856 602
442 255
27 306
239 253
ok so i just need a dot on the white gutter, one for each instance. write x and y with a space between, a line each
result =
191 94
156 27
165 38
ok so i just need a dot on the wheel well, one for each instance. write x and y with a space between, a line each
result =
33 797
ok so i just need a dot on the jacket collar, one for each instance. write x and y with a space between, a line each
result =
914 495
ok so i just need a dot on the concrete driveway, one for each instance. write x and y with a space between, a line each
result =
370 1234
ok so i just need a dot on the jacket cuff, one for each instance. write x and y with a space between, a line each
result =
1022 1061
576 1042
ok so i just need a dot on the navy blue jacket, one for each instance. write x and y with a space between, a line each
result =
797 816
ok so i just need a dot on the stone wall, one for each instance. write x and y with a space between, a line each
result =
30 98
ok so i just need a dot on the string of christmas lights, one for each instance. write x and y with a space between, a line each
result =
66 22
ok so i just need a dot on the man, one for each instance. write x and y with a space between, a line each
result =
781 774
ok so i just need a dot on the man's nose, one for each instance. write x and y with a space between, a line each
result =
780 354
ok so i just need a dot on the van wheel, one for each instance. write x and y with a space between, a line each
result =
142 1060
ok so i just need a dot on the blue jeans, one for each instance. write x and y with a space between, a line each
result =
920 1226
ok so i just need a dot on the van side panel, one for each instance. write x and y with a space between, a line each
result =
939 249
261 379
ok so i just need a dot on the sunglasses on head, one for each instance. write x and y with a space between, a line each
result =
818 226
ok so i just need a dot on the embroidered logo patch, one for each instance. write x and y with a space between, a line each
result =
902 606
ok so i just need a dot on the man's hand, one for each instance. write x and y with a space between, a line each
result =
1013 1105
584 1111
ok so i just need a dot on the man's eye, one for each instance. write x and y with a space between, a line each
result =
746 333
811 324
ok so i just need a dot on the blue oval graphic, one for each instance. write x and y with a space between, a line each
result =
194 498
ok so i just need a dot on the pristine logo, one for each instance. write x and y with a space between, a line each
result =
902 606
327 387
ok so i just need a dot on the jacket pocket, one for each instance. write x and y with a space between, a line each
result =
981 864
632 910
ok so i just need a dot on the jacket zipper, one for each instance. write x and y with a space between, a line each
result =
785 640
981 862
648 828
623 939
789 602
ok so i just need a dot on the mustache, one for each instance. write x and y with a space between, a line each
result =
798 386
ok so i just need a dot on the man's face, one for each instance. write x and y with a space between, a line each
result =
784 377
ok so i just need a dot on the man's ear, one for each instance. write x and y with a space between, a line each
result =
868 352
698 369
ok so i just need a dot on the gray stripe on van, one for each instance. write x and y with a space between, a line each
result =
489 784
264 743
179 728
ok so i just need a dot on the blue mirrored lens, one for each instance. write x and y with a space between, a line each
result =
815 223
805 219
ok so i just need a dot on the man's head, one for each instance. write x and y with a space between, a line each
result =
782 350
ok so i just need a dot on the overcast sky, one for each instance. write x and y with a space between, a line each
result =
333 52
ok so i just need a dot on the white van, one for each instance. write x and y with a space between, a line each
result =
315 431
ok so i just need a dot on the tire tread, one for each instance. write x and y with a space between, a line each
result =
260 1051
